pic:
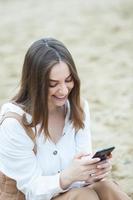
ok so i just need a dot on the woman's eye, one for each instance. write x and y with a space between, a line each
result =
69 80
52 84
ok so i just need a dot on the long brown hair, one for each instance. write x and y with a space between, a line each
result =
33 93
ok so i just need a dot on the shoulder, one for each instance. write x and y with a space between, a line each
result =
9 121
10 127
13 108
10 107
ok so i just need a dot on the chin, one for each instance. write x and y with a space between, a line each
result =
60 103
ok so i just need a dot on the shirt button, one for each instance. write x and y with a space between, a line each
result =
55 152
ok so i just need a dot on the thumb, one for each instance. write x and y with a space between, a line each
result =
80 155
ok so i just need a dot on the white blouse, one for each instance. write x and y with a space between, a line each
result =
37 176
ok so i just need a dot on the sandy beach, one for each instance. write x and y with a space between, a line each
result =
99 34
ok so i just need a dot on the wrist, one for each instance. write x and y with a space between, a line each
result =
65 180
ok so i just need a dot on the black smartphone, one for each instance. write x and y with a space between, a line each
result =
104 153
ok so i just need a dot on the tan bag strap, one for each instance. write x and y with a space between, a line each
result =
28 130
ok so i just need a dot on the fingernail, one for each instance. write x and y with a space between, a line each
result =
98 159
98 166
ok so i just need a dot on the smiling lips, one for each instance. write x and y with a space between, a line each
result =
60 98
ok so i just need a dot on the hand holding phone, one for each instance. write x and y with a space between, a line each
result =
104 153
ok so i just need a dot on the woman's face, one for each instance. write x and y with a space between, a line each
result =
60 85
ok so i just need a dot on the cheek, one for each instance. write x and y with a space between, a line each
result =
51 92
70 86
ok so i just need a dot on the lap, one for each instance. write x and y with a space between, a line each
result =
109 189
101 190
78 194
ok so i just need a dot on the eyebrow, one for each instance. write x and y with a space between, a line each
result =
57 80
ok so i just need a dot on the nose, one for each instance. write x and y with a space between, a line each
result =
63 90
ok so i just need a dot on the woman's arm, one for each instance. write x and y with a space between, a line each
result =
18 161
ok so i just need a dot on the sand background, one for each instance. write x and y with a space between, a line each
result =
99 35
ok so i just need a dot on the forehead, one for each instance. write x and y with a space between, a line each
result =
59 71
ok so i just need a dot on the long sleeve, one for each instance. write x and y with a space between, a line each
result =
83 136
18 161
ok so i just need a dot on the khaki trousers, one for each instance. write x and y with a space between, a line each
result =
103 190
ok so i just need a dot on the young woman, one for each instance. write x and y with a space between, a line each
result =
56 163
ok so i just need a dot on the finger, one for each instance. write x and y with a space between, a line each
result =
91 161
106 169
104 165
92 172
109 156
80 155
99 177
104 161
102 172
